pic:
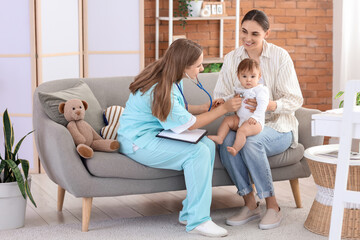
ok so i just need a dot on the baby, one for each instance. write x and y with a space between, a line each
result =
245 123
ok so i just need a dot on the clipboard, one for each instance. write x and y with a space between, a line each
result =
190 136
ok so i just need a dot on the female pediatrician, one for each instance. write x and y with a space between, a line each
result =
156 102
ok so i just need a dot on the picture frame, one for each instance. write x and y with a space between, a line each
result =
207 7
219 9
215 8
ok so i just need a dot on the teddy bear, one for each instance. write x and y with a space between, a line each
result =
85 137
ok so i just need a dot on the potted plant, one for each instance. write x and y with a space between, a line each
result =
355 146
212 68
341 104
188 8
14 183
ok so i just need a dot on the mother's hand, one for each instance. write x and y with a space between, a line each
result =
252 104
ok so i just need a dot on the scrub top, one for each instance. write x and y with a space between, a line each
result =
137 124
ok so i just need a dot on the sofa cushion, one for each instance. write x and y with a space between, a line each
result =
116 165
50 103
289 157
111 118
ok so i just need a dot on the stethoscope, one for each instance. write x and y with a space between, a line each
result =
199 86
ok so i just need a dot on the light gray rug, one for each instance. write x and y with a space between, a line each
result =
167 227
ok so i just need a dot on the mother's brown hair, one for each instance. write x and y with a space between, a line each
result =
164 72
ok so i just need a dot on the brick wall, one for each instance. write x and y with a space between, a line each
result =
303 28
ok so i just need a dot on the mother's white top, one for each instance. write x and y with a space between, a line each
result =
278 74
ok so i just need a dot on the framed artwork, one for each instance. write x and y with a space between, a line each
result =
207 7
219 9
215 8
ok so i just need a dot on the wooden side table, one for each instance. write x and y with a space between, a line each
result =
323 169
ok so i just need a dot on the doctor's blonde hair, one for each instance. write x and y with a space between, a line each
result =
164 72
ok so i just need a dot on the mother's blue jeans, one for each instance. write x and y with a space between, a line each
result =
253 159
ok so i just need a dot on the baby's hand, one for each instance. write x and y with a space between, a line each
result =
252 121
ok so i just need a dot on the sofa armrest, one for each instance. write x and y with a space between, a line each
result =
58 155
303 115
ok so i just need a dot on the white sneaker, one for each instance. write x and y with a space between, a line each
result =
184 222
210 229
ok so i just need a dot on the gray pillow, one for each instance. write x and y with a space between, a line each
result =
93 115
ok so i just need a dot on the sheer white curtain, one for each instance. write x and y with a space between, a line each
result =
346 44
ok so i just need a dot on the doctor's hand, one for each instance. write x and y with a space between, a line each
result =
217 102
233 104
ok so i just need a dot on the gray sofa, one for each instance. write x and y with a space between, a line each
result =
113 174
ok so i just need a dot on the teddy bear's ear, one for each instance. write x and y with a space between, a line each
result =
61 107
85 104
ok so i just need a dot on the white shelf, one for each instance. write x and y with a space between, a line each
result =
213 60
199 18
171 19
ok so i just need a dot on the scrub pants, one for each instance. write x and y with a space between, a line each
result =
197 162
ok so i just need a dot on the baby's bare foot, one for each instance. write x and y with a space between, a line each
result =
216 139
232 151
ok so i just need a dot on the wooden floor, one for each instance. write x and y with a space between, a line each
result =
45 194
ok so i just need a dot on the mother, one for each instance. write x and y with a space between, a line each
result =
281 130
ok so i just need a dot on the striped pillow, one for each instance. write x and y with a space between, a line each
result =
111 118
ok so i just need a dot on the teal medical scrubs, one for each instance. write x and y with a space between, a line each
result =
138 141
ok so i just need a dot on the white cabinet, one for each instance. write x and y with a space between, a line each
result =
171 18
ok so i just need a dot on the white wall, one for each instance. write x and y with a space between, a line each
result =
115 47
114 38
17 73
58 39
346 44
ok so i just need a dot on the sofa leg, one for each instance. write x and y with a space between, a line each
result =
296 191
86 212
60 198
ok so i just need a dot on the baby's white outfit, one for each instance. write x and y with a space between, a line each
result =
261 93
